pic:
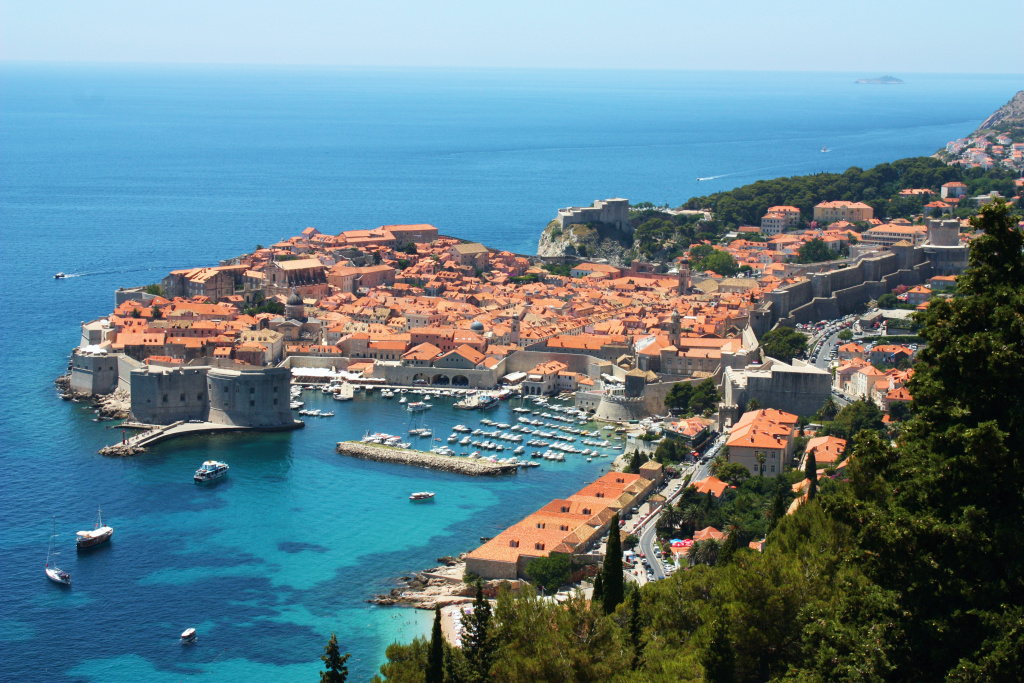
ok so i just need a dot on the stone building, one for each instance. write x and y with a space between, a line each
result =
610 211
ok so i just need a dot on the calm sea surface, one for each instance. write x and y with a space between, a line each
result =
121 174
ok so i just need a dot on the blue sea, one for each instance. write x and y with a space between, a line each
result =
119 174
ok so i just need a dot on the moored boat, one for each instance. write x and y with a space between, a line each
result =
422 495
417 406
99 534
211 470
188 635
53 572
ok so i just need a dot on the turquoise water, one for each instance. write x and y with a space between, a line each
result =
121 174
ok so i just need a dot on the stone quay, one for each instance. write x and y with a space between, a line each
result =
403 456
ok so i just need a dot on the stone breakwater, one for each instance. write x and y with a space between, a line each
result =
404 456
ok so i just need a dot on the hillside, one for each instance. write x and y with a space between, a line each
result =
1010 114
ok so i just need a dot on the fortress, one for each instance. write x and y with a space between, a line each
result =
610 211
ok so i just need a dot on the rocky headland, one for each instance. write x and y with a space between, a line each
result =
586 241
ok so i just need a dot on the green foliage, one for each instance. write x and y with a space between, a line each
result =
633 629
267 306
811 475
719 261
435 655
154 289
888 300
597 595
157 312
334 661
717 658
705 397
136 313
526 279
634 461
612 569
732 473
630 541
853 418
678 397
815 251
563 269
476 639
403 263
784 343
846 335
752 405
410 249
550 572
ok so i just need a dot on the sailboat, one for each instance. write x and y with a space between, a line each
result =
99 534
53 573
825 149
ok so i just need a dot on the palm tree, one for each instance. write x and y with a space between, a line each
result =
760 462
689 517
704 552
717 464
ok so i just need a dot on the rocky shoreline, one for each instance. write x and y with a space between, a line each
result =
403 456
438 587
113 406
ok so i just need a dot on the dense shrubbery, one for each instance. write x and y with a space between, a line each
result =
909 571
784 343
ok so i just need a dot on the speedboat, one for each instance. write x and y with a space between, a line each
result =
95 536
59 276
188 636
211 470
422 495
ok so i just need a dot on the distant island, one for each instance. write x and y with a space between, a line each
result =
884 80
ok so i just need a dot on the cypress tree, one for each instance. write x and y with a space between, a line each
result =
435 656
718 659
612 570
811 470
336 672
634 627
729 547
598 596
476 641
778 508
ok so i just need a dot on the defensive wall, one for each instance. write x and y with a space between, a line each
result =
799 388
829 295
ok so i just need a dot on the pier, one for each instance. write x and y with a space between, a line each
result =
154 434
405 456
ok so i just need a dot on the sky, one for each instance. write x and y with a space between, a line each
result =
871 37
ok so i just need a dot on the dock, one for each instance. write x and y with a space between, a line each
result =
154 434
405 456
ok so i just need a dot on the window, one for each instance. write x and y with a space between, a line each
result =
275 390
252 390
513 544
538 546
165 398
252 404
541 525
275 403
586 511
773 468
565 509
563 527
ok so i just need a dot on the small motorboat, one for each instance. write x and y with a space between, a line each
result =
188 636
211 470
59 276
422 495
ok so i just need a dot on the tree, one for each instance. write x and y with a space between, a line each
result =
678 397
778 509
157 313
597 595
784 343
476 639
705 396
633 628
752 405
719 261
136 313
154 289
815 251
612 570
846 335
435 656
704 552
718 658
334 661
888 300
732 473
828 410
550 572
729 547
630 541
811 473
853 418
899 411
760 458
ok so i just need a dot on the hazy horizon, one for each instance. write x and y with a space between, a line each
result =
877 38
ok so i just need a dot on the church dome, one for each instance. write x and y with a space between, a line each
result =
476 326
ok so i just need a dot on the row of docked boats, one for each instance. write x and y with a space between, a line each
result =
316 412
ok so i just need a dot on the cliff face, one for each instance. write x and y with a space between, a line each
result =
591 241
1011 112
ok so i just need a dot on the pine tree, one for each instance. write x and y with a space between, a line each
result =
634 627
435 656
597 598
476 641
718 659
336 672
613 586
811 470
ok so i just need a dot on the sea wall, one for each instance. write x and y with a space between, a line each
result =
402 456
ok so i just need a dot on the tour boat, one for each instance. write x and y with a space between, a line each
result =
188 635
422 495
53 572
417 406
59 276
101 533
211 470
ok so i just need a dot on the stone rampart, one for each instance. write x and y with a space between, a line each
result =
402 456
